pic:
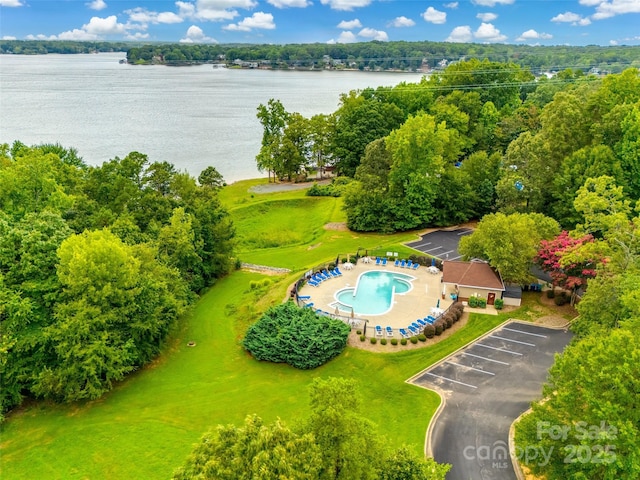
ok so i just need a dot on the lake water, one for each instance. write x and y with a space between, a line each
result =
192 117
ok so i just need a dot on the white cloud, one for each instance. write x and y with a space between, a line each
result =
40 37
212 10
590 3
613 42
196 35
104 26
347 37
452 5
97 5
488 33
487 17
143 16
616 7
345 5
137 36
373 34
572 18
349 24
168 17
403 21
434 16
289 3
8 37
76 34
11 3
533 35
258 20
492 3
461 34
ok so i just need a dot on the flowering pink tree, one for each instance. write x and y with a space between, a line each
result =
570 261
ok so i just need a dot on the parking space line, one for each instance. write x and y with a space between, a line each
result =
455 258
450 380
514 341
526 333
485 358
444 253
470 368
498 349
465 232
414 245
436 248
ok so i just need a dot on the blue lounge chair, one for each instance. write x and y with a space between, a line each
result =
403 263
417 326
333 273
304 297
389 331
430 319
413 329
409 263
313 283
404 333
308 305
397 263
378 331
421 322
324 275
416 266
384 262
377 260
338 272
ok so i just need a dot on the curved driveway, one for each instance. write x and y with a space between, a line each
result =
486 386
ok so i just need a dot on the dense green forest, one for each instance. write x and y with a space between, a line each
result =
389 55
97 264
42 47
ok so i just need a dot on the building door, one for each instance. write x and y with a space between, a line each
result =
491 298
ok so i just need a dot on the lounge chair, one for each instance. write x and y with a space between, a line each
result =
377 260
413 329
338 272
324 275
308 305
304 297
403 263
384 262
416 266
319 278
397 263
404 333
389 331
313 283
421 322
409 263
378 331
430 320
417 326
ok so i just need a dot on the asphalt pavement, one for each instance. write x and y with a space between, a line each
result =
442 244
486 386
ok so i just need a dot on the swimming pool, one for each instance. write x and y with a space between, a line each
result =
373 293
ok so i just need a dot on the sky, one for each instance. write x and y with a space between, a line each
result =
531 22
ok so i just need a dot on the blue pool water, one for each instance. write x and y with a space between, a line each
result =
373 294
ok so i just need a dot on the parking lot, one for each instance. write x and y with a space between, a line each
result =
485 387
442 244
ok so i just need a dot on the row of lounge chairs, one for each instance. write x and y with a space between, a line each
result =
320 277
415 328
380 332
382 261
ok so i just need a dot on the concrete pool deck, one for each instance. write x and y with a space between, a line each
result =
407 307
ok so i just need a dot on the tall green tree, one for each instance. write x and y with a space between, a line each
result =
273 118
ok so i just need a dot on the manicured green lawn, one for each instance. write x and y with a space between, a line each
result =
146 426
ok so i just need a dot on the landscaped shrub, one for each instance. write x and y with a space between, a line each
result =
422 337
551 293
429 331
373 340
561 299
482 303
498 304
394 341
414 339
297 336
362 338
439 326
358 332
448 321
383 341
403 341
473 302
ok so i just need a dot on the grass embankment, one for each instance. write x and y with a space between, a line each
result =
146 426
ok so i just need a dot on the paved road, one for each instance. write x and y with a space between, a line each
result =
486 387
442 244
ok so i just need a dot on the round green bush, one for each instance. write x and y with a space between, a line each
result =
383 341
439 327
498 304
414 339
560 300
403 341
394 341
551 293
422 337
359 332
373 340
448 322
362 338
